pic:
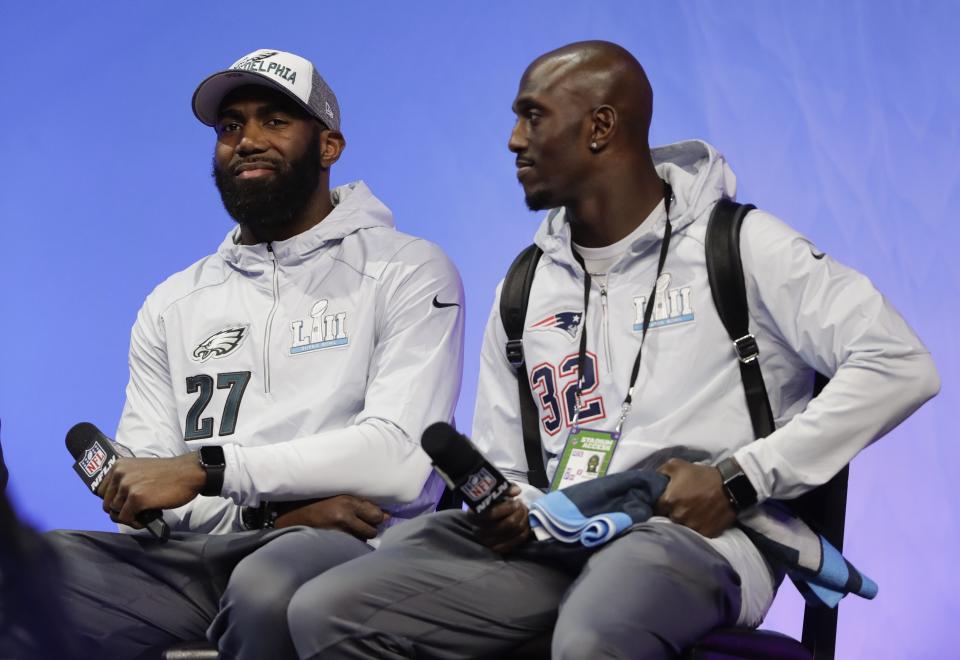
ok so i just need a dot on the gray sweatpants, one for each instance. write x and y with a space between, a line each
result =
129 594
431 591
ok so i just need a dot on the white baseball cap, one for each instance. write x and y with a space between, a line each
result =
275 69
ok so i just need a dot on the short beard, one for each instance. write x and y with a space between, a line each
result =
543 199
539 200
265 207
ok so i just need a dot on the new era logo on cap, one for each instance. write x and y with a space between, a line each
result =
285 72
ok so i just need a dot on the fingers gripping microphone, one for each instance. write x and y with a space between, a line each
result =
95 456
463 467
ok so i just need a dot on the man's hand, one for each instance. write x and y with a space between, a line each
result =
139 484
695 498
504 526
353 515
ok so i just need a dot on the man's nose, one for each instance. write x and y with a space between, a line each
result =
251 140
517 141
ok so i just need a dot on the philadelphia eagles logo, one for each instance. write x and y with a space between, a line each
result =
220 343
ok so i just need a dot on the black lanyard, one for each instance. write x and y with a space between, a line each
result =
647 313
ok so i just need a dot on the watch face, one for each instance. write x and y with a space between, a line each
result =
742 491
212 456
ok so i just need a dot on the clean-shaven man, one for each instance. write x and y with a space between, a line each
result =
625 233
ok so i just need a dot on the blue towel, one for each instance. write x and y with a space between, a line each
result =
594 512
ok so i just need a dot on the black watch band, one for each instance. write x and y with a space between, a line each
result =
736 485
214 464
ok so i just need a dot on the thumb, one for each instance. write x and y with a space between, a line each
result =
671 466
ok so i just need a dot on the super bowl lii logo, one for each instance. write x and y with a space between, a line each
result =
670 306
321 330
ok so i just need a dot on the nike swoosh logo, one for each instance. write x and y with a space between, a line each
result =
440 305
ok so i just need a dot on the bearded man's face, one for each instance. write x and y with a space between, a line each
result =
267 160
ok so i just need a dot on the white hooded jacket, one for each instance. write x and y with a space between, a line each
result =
316 362
807 312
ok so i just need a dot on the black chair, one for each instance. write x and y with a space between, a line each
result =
824 509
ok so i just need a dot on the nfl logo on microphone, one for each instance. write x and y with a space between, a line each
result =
479 485
93 459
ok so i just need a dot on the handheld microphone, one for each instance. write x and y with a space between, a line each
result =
95 455
463 467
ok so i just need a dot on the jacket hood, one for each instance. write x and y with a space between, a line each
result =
699 176
355 208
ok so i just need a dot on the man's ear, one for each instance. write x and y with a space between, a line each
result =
604 127
332 144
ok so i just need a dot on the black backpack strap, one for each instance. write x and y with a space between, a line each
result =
514 295
725 271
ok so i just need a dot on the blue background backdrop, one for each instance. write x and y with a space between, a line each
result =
839 117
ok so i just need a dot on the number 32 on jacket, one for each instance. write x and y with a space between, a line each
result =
556 389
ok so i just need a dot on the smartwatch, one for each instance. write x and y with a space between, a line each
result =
736 485
213 463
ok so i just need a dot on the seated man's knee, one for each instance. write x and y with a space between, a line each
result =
320 610
332 616
259 583
576 643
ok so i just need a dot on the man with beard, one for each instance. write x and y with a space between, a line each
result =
280 386
623 252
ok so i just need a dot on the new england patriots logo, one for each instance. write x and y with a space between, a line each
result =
220 343
568 322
